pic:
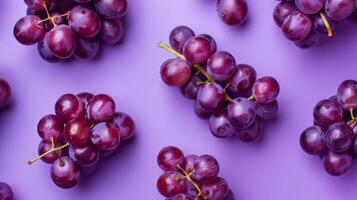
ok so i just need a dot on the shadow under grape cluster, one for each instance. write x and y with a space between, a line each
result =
333 136
305 21
229 95
66 28
84 128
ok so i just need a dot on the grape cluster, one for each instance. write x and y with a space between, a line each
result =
84 128
66 28
6 192
190 177
229 95
232 12
5 93
333 136
305 21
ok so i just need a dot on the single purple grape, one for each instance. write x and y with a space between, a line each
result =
105 136
112 31
5 93
28 30
328 112
77 132
126 125
252 132
62 41
232 12
243 79
171 183
310 7
241 112
210 97
267 111
50 126
190 162
84 156
221 66
312 142
266 90
111 9
282 10
319 24
216 189
86 48
175 72
69 107
296 26
45 52
171 158
179 35
347 94
211 40
200 111
220 125
197 50
206 168
65 173
337 164
339 137
84 22
101 108
339 10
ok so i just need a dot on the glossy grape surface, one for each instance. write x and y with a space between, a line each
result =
232 12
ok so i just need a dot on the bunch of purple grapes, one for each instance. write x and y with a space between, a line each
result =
232 12
84 128
305 21
190 177
333 136
66 28
229 95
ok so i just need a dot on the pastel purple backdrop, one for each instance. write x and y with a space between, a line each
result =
275 168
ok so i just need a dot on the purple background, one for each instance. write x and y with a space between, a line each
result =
275 168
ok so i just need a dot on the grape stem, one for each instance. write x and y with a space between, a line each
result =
327 24
353 121
187 176
199 68
50 18
53 149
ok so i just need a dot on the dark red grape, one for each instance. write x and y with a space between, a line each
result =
5 93
65 173
267 111
197 50
38 5
243 79
347 94
339 10
105 136
252 132
6 192
190 89
28 30
179 35
62 41
339 137
310 6
87 48
84 22
217 189
112 31
45 52
111 9
337 164
77 132
319 25
69 107
221 66
101 108
327 112
241 112
50 126
220 125
232 12
171 183
282 10
84 156
175 72
44 147
311 141
211 40
85 97
266 89
170 158
297 26
126 125
206 168
190 162
210 97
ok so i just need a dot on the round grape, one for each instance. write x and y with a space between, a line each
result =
65 173
179 35
101 108
265 90
197 50
232 12
105 136
28 30
210 97
337 164
171 183
296 26
175 72
69 107
220 125
241 112
221 66
339 137
311 141
170 158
